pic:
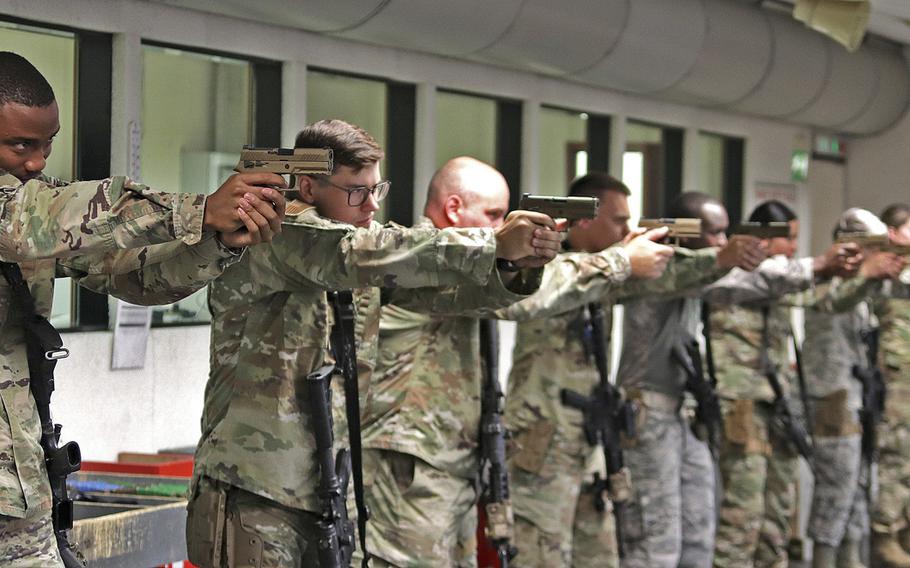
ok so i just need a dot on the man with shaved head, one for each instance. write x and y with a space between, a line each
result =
421 424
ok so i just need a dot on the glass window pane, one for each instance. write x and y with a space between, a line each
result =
643 166
711 164
191 136
563 149
363 102
465 126
54 54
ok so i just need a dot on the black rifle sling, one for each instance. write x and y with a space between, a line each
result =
803 387
44 347
344 351
706 332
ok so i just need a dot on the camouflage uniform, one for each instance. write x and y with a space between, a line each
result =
757 464
831 347
270 329
55 230
423 424
550 453
891 512
670 520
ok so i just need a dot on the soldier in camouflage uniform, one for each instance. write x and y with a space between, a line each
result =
671 517
833 344
254 495
758 464
54 229
424 413
550 454
891 513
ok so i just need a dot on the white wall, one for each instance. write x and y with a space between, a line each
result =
140 410
878 168
159 406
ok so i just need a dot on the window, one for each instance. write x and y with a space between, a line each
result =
652 167
465 126
711 164
53 52
563 149
721 170
191 136
357 100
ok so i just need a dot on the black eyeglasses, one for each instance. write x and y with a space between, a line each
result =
357 195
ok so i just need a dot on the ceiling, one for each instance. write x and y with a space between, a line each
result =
734 55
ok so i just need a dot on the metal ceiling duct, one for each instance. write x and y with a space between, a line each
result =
726 54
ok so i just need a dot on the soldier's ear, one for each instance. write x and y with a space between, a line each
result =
452 209
305 189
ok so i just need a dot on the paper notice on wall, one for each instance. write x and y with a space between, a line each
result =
131 334
783 192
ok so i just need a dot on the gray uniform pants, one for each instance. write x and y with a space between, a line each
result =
671 518
839 500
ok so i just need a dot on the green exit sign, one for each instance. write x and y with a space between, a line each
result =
799 165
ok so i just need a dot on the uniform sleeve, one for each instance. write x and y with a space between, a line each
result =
774 278
41 221
469 300
687 272
572 280
158 274
335 255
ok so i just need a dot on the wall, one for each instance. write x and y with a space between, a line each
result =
878 168
159 406
138 410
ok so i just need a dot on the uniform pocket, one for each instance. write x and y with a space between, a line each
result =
532 445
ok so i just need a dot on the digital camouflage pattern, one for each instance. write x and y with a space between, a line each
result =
670 517
425 402
832 346
270 325
757 464
75 230
549 453
759 492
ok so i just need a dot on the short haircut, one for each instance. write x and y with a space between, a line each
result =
896 215
857 220
690 204
351 145
21 83
772 211
593 184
